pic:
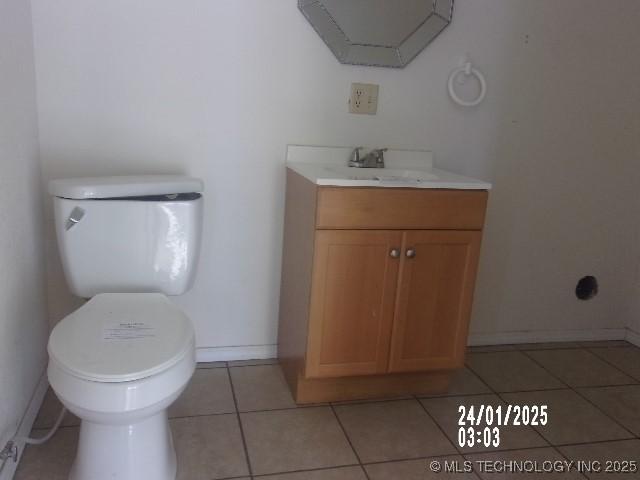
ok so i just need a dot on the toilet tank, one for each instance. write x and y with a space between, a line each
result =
128 234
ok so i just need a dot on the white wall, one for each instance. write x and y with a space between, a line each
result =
23 318
217 89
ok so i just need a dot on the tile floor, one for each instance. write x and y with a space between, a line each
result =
237 420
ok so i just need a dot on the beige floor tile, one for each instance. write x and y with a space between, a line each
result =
547 345
298 439
464 382
511 372
490 466
627 450
261 387
208 393
571 419
445 412
580 368
490 348
49 412
395 430
344 473
52 460
209 447
212 364
626 359
620 403
419 470
246 363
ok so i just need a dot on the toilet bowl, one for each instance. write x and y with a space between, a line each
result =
118 363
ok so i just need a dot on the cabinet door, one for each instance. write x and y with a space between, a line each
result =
353 290
433 304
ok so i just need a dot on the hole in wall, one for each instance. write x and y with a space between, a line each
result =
587 288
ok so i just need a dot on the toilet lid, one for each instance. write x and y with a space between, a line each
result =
119 337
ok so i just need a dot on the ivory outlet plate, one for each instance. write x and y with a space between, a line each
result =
364 98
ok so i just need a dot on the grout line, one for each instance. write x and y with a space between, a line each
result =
263 364
503 400
607 386
610 364
364 472
365 401
244 440
200 415
344 431
518 449
424 459
519 347
582 474
297 407
498 350
579 444
481 379
554 389
637 379
233 478
468 455
451 395
529 348
319 469
435 422
206 366
577 392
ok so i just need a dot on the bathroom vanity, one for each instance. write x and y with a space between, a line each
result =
377 280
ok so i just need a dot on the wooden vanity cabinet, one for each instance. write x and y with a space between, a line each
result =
377 287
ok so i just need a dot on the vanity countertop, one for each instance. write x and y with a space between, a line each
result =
404 169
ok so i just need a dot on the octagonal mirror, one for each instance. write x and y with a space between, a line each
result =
382 33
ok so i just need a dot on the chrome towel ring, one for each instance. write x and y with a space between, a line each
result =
467 69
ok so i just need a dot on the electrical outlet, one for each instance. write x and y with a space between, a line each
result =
364 98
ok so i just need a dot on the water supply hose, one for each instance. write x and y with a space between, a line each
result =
47 437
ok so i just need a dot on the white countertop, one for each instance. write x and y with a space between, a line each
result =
403 169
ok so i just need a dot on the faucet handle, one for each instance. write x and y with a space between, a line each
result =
379 153
355 155
355 161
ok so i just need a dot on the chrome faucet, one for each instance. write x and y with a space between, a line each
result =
373 159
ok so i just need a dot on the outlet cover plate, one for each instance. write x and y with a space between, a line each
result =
364 98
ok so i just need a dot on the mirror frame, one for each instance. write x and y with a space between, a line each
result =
394 56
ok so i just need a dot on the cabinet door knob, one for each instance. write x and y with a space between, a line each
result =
394 253
411 252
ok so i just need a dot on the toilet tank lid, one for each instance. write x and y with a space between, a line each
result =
124 186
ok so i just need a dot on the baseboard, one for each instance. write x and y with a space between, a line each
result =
241 352
541 336
24 429
633 337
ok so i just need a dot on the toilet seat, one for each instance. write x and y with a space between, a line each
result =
121 337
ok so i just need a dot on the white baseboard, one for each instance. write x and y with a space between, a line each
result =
542 336
242 352
633 337
25 426
253 352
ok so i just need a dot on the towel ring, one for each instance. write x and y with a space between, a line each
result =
467 69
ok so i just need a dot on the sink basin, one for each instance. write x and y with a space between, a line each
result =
382 174
340 175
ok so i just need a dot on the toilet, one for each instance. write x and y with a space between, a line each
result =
120 360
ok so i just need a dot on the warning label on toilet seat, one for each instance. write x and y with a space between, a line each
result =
127 331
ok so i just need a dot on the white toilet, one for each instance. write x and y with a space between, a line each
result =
122 358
